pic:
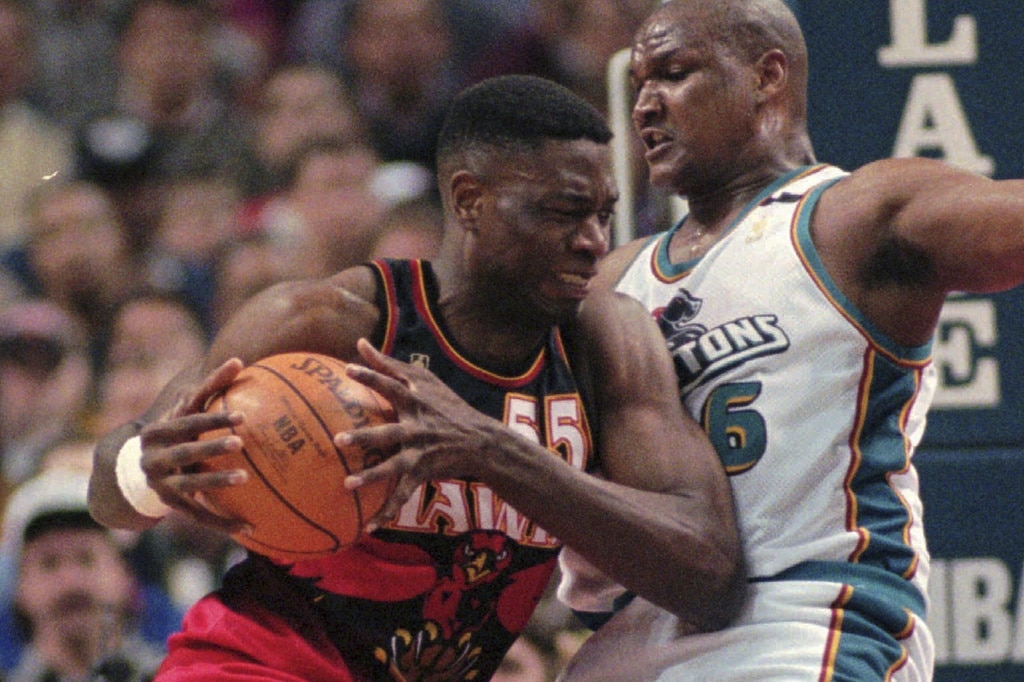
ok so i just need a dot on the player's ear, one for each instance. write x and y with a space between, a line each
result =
772 71
467 197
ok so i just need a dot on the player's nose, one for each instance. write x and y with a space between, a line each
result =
592 236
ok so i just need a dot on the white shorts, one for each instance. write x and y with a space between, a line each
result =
784 635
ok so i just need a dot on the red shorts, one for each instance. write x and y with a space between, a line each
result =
247 641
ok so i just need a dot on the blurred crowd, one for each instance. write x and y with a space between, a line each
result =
162 160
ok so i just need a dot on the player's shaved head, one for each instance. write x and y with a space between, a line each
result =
748 28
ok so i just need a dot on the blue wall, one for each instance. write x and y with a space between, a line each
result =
956 93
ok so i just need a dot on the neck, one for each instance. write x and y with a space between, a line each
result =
491 334
713 206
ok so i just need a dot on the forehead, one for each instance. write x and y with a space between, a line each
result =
565 166
672 31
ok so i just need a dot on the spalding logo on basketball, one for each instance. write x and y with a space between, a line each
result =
295 500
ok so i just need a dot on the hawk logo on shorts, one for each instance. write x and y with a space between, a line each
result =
420 360
477 600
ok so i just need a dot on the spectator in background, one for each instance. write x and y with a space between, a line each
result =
31 146
171 114
410 229
76 254
399 60
153 336
168 79
249 41
46 382
251 264
568 41
75 75
314 28
327 208
198 217
297 103
77 604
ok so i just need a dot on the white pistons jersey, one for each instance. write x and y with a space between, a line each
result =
814 413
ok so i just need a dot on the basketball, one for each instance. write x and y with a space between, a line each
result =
294 500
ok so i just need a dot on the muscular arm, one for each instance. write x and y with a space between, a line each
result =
898 235
663 525
670 534
324 316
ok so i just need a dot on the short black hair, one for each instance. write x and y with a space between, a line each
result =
518 111
64 519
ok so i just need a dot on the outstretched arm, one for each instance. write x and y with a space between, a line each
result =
899 235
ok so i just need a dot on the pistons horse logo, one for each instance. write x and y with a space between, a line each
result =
675 319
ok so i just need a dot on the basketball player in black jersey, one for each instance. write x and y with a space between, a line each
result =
542 384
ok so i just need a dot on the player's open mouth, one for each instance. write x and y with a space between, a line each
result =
654 139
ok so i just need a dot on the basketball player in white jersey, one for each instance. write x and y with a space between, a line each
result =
799 302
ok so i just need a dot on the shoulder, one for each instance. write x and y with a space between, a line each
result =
323 315
621 339
617 262
606 309
878 190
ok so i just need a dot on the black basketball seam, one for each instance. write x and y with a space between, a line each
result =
269 486
323 425
245 453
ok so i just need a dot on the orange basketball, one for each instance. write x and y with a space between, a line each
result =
294 499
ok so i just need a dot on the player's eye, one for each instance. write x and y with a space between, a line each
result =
676 75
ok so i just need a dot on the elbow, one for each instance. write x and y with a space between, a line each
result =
717 593
723 605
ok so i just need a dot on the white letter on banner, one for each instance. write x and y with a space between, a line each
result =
981 597
938 609
934 119
965 326
910 46
1018 639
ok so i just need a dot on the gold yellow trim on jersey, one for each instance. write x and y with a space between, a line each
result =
666 271
390 312
422 303
800 236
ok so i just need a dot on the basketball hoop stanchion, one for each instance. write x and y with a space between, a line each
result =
619 105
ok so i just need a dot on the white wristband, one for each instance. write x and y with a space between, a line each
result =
131 479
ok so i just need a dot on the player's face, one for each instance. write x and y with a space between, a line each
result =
693 103
544 224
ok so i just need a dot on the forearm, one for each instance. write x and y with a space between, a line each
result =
670 547
107 503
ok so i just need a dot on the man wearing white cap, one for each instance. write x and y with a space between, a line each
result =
75 597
